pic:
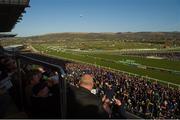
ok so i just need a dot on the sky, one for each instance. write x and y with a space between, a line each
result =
54 16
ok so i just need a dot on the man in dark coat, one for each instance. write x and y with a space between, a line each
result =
82 103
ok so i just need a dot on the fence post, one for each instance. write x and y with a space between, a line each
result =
20 84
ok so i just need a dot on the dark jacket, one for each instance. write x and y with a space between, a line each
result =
45 107
83 104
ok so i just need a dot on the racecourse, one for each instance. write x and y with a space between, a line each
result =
160 69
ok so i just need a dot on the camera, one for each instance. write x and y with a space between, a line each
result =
112 101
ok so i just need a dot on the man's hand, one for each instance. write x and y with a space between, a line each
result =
117 102
103 98
106 105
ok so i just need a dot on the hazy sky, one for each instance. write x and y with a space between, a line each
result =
49 16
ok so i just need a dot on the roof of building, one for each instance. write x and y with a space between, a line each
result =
11 12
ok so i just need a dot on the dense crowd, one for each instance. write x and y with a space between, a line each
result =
139 96
41 90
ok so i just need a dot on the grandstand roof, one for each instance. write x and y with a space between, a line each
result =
11 13
7 35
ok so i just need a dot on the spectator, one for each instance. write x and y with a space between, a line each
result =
43 104
85 104
33 78
7 69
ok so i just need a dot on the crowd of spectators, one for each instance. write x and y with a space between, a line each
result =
41 93
138 95
43 97
40 89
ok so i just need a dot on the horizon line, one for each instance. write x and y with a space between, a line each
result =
97 32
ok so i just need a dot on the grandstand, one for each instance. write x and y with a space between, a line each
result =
11 12
7 35
35 83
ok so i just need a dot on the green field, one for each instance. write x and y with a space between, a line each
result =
111 61
160 63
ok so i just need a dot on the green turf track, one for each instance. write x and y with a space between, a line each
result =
161 63
165 76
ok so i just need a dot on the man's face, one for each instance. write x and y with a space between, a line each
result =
93 80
